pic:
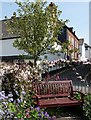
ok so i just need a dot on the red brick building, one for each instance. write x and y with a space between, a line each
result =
67 33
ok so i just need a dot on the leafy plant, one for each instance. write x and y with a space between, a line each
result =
37 27
21 108
87 106
6 106
55 111
77 96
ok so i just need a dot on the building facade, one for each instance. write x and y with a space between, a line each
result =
88 52
67 34
8 52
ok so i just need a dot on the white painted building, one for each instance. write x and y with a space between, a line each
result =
8 51
87 50
81 49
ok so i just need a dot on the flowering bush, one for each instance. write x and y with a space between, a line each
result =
55 64
16 98
5 103
17 77
21 108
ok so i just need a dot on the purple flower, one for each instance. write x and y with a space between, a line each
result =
4 103
11 100
39 115
23 93
3 92
6 97
10 95
42 113
50 118
53 117
2 98
1 112
46 115
32 108
18 100
38 108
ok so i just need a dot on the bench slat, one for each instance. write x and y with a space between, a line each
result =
58 102
55 93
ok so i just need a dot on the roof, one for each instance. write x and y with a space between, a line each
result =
86 45
71 30
4 34
81 41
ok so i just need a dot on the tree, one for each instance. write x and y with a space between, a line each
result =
37 27
65 48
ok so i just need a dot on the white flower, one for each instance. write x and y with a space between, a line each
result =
18 100
4 103
23 92
10 95
11 100
1 112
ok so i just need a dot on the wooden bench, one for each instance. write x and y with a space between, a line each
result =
56 93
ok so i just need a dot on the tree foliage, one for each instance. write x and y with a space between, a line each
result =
66 49
37 27
65 46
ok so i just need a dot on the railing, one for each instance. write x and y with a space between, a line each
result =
51 66
80 85
83 88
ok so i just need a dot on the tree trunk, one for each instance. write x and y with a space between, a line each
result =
35 62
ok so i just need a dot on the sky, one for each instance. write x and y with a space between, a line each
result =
76 11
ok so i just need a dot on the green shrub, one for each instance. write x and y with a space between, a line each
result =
87 106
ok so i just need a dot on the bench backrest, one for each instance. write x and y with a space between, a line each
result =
53 88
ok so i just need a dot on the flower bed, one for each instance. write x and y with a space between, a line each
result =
16 96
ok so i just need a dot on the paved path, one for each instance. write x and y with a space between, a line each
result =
69 118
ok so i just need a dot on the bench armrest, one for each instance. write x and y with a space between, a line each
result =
37 98
81 94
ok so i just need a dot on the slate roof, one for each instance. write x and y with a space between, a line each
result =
4 34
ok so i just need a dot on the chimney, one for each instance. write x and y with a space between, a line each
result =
71 28
81 41
51 4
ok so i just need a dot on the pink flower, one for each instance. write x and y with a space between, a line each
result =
27 115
